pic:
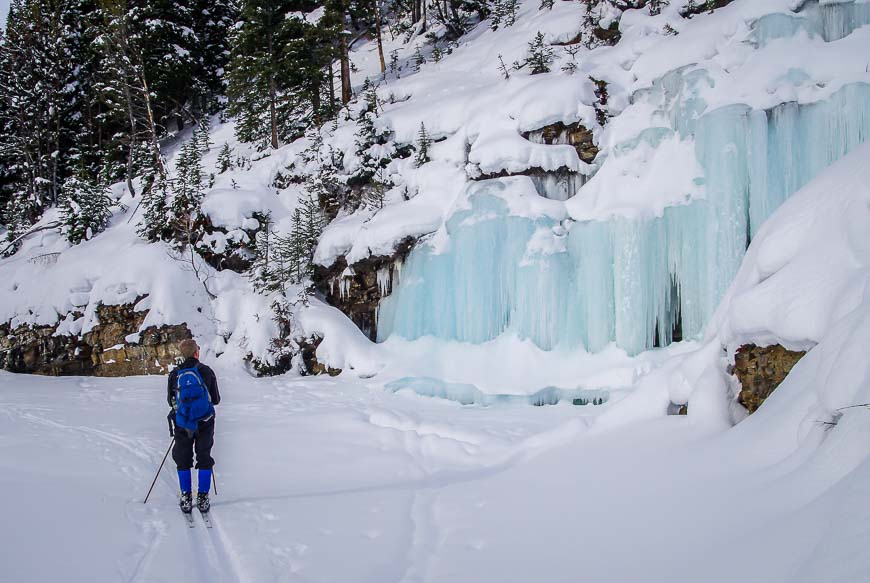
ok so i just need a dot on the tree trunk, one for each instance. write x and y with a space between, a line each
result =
423 15
346 92
331 87
152 126
131 152
378 33
273 117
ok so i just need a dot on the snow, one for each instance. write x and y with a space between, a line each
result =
427 458
411 488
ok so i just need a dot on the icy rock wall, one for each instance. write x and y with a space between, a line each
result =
832 21
641 281
635 282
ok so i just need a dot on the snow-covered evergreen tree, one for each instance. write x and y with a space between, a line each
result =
423 144
187 192
154 224
85 208
225 159
371 156
540 55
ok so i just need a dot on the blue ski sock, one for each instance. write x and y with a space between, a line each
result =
204 479
184 480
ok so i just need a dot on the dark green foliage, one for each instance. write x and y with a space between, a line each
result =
540 55
85 208
282 260
371 158
34 72
655 6
278 71
423 144
394 66
90 87
600 105
188 189
225 159
504 12
154 224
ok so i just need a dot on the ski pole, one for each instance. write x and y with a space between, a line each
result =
171 443
214 483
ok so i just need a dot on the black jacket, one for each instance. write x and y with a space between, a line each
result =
207 375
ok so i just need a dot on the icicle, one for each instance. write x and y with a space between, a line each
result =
560 185
832 21
345 281
384 281
629 281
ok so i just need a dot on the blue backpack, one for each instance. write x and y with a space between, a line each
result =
191 395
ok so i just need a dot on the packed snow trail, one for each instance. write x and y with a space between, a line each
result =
333 480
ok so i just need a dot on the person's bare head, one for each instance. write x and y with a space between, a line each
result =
189 348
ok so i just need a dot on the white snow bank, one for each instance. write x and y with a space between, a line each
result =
807 266
804 284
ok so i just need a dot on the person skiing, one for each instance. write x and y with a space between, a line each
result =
192 392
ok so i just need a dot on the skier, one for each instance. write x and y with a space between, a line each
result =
192 392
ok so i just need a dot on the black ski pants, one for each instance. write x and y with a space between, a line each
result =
200 441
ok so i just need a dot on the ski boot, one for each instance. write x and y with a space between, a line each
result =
202 501
186 502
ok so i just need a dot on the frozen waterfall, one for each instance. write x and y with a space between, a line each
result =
639 282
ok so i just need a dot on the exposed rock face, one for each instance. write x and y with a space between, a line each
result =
760 370
701 7
104 351
574 135
356 290
308 349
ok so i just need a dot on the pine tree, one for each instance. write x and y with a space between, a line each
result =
497 14
511 8
370 157
266 273
35 68
225 159
394 62
155 222
540 55
278 71
187 194
423 144
85 209
213 21
571 66
308 230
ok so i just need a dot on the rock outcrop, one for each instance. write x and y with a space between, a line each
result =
308 349
115 347
760 369
357 289
573 134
